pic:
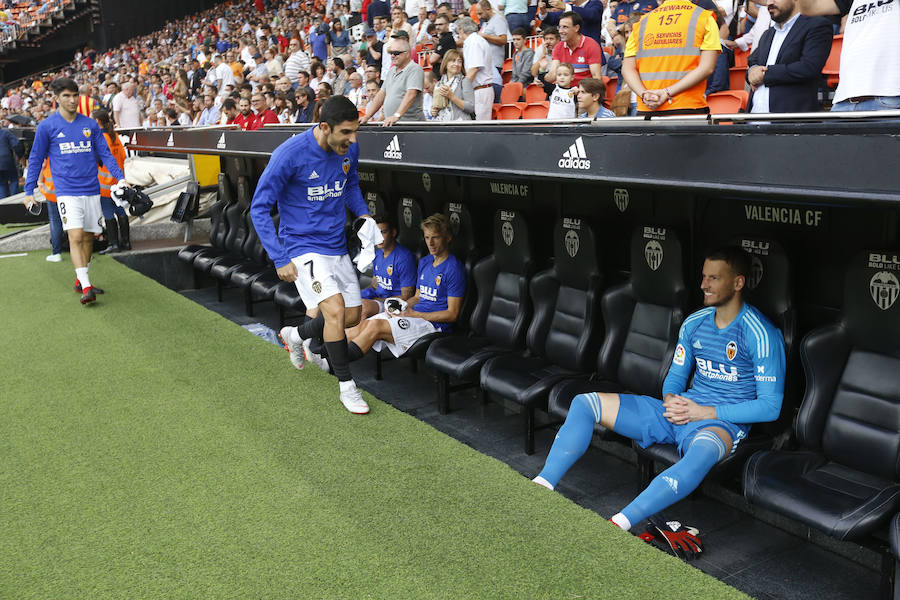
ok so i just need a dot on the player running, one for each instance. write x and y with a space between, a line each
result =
312 177
75 145
737 359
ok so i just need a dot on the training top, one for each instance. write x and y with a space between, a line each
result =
395 272
436 284
738 369
74 149
311 188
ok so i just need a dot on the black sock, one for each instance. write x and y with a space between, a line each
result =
313 327
354 352
338 359
317 346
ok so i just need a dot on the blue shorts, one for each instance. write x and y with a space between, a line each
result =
641 419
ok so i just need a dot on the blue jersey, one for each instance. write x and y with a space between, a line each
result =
75 149
311 188
437 283
738 369
395 272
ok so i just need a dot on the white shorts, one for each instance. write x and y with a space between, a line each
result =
80 212
320 277
405 331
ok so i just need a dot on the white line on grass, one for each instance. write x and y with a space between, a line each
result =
13 255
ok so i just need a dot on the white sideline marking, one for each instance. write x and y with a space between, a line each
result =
13 255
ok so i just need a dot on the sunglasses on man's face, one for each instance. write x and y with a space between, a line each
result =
396 52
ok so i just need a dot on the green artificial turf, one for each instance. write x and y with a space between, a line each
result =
152 449
11 227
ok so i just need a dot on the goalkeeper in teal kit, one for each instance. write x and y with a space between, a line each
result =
737 359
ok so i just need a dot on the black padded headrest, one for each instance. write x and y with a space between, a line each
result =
409 220
871 306
657 266
575 252
768 286
375 203
512 247
463 242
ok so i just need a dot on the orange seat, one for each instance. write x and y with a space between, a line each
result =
535 93
511 93
737 78
536 110
507 65
506 77
740 57
832 67
509 112
495 111
728 102
610 83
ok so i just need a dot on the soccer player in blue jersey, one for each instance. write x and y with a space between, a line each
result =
737 359
441 285
312 179
75 146
393 270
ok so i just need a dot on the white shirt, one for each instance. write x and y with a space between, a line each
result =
129 110
749 39
761 95
562 103
226 77
477 53
870 56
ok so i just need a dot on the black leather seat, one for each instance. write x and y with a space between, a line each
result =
642 319
500 316
894 537
768 289
844 480
252 259
235 218
562 338
218 226
257 279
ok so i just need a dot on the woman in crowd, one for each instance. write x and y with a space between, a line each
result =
455 89
338 41
318 75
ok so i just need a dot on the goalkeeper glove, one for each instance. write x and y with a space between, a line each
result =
683 541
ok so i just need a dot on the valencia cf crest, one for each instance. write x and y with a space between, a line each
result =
390 270
731 350
87 132
346 166
437 280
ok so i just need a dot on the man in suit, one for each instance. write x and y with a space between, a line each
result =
786 66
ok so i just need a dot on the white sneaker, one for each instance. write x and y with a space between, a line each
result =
353 401
54 258
297 351
317 359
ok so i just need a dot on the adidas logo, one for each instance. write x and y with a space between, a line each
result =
313 175
698 345
575 157
393 150
61 135
171 141
221 143
673 484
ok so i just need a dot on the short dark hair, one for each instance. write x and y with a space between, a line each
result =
550 30
733 256
63 84
338 62
520 31
385 218
338 109
229 104
574 16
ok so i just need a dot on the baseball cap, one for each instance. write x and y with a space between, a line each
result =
400 33
370 33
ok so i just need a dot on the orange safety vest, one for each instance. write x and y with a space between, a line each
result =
669 40
103 174
85 105
45 182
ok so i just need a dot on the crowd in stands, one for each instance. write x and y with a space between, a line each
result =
255 62
16 17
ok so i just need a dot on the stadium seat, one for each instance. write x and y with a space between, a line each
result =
288 301
509 112
218 225
536 110
512 93
611 83
501 315
894 538
252 259
642 318
740 58
844 478
257 265
769 290
728 102
562 338
737 78
233 243
535 93
832 68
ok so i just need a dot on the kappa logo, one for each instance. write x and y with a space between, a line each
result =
884 288
313 175
572 242
393 149
621 196
171 141
575 157
731 350
60 135
653 253
221 143
507 233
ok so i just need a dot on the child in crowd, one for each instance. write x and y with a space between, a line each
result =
563 101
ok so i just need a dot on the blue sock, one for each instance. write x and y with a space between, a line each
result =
573 438
679 480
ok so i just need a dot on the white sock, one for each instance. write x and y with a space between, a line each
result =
621 520
347 385
541 481
82 274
